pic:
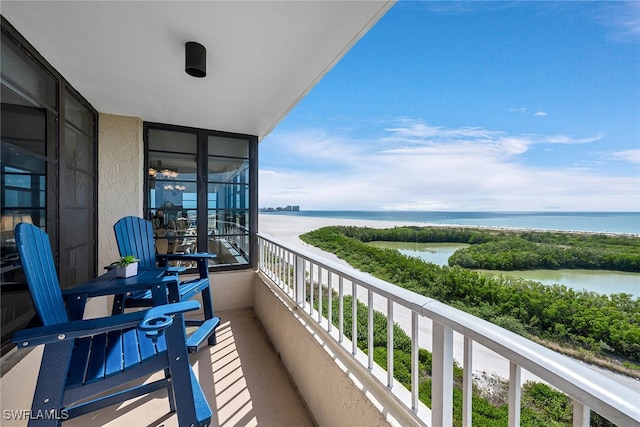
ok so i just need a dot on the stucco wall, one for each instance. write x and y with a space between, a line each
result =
232 290
120 183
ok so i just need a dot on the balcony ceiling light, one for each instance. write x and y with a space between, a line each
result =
195 59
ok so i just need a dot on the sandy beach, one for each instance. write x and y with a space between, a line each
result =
288 228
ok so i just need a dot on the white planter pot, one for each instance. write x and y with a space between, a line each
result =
128 271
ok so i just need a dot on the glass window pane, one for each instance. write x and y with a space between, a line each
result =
77 116
228 236
24 189
171 176
25 127
172 180
223 170
168 167
23 79
228 147
172 141
228 196
78 150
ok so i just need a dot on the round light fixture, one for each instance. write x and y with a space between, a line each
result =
195 59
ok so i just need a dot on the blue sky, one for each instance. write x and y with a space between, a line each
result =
470 106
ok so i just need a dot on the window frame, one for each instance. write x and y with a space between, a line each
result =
202 183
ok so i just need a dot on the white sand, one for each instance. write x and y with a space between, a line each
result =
287 228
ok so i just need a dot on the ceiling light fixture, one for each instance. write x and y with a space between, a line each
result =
195 59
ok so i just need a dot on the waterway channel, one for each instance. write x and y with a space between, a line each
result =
600 281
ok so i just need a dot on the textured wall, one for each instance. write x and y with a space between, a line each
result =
120 184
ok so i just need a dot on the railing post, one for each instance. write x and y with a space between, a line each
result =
390 343
278 268
290 288
581 414
299 281
370 328
329 301
442 376
514 395
467 382
415 367
340 309
311 296
319 294
354 318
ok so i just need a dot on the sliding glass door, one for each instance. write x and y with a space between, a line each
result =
47 174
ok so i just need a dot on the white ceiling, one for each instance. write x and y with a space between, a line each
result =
127 58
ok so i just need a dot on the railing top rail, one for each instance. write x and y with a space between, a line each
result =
615 400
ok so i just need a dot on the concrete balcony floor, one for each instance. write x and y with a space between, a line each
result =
242 376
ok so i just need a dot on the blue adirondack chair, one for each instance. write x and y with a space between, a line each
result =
86 363
134 236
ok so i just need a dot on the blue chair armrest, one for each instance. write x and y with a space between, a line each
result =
85 328
159 318
173 308
173 270
75 329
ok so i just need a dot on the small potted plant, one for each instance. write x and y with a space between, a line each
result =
127 266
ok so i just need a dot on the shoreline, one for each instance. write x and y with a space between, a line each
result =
274 223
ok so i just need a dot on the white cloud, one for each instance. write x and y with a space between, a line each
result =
540 114
564 139
624 20
421 131
422 167
630 156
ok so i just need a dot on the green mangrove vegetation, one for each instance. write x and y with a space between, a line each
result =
541 405
586 321
493 249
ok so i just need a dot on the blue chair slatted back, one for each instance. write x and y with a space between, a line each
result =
40 271
134 236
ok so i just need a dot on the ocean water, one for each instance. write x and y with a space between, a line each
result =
599 222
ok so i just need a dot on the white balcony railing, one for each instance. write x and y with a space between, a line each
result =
299 273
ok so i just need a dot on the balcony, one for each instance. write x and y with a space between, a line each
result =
278 361
240 376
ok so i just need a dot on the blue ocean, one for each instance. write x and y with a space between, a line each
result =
597 222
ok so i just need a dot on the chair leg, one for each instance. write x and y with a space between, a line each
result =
180 372
170 392
50 386
207 306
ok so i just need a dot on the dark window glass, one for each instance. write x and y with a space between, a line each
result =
27 171
47 173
